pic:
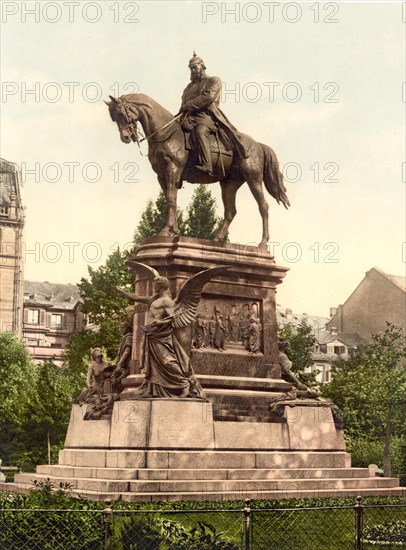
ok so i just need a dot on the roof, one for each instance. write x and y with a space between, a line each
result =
286 316
398 280
7 166
51 295
10 182
349 339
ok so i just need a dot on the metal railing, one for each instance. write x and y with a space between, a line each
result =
355 526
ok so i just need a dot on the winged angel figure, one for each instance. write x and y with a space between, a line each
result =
167 367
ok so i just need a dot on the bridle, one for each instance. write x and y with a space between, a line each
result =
131 120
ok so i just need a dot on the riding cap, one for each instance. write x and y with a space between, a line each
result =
196 60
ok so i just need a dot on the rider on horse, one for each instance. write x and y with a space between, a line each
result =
200 101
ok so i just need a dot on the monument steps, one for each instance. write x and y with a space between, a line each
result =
204 459
94 492
206 485
156 474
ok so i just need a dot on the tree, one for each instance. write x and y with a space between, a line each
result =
202 221
50 408
370 390
17 380
103 307
34 405
152 221
301 340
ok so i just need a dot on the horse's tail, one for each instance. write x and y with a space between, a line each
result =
273 178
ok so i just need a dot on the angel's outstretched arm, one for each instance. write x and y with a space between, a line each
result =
131 296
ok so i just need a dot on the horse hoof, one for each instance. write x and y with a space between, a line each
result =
167 233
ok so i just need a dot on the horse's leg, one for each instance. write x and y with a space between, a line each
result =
169 184
229 189
255 184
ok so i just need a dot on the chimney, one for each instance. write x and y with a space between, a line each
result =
333 311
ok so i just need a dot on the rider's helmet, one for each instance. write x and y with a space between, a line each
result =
196 60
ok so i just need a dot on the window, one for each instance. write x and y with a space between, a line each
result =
33 316
327 376
56 320
338 350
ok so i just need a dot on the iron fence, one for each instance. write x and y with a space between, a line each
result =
355 526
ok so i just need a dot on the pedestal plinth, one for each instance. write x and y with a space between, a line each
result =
247 290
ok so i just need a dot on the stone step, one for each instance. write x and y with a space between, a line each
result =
80 484
240 486
84 472
252 474
199 474
216 496
174 459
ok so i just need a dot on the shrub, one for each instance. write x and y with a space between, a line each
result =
392 532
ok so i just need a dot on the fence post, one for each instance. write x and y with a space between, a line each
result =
358 523
107 515
247 517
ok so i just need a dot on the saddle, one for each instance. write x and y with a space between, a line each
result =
217 139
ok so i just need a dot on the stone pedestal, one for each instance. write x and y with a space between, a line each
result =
175 424
248 288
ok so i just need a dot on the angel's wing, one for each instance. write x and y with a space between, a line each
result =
189 295
142 269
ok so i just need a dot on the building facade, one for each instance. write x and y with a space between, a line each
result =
378 299
12 218
329 345
52 313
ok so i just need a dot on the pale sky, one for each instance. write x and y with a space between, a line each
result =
321 83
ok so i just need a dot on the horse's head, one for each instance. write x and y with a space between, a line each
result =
126 117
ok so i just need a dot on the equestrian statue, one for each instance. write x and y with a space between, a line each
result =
200 145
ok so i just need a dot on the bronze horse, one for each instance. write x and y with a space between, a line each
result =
169 158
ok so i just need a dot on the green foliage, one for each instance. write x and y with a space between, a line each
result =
17 380
100 300
49 416
365 451
370 390
38 526
393 531
153 220
24 441
17 397
301 340
151 531
202 221
48 515
52 404
105 309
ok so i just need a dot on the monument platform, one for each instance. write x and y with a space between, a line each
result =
166 450
234 446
